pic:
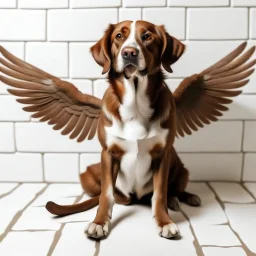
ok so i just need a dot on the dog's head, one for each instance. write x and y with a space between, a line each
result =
136 46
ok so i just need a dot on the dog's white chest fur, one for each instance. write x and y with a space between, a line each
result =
136 135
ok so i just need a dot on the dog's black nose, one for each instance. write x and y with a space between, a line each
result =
130 53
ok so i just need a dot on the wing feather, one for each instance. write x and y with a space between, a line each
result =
201 98
50 98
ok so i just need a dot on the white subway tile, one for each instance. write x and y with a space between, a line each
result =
213 251
242 219
243 3
173 19
15 202
21 167
12 110
143 3
88 159
213 237
42 4
18 50
129 14
79 25
99 87
51 57
61 167
80 245
27 243
82 64
7 143
217 23
249 167
194 3
243 107
85 86
213 166
249 136
231 192
7 4
200 55
94 3
40 137
253 22
21 25
216 137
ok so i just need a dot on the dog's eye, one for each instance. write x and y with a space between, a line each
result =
119 36
146 37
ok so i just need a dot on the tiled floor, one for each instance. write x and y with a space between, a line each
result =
225 224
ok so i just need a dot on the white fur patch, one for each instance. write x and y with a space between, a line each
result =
131 42
136 135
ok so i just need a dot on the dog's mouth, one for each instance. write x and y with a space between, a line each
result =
130 68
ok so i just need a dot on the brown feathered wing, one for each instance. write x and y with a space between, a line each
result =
52 99
201 98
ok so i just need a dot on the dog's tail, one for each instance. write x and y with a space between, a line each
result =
62 210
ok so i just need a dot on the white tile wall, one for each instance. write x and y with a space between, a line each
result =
21 167
249 167
196 3
249 137
51 57
253 23
61 167
173 19
78 25
94 3
56 36
218 23
31 4
19 25
7 4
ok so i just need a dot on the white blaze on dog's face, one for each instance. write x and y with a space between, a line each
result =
130 57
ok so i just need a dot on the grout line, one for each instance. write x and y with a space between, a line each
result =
46 25
8 193
246 249
186 24
196 244
248 25
43 167
242 145
19 213
58 234
14 137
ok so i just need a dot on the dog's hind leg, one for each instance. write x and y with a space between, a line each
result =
178 181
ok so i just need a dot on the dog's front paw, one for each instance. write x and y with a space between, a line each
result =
97 231
168 231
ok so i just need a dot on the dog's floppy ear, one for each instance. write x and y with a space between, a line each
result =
101 50
172 49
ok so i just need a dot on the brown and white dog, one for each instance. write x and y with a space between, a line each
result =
137 120
137 128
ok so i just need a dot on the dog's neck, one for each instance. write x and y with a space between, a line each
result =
138 95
